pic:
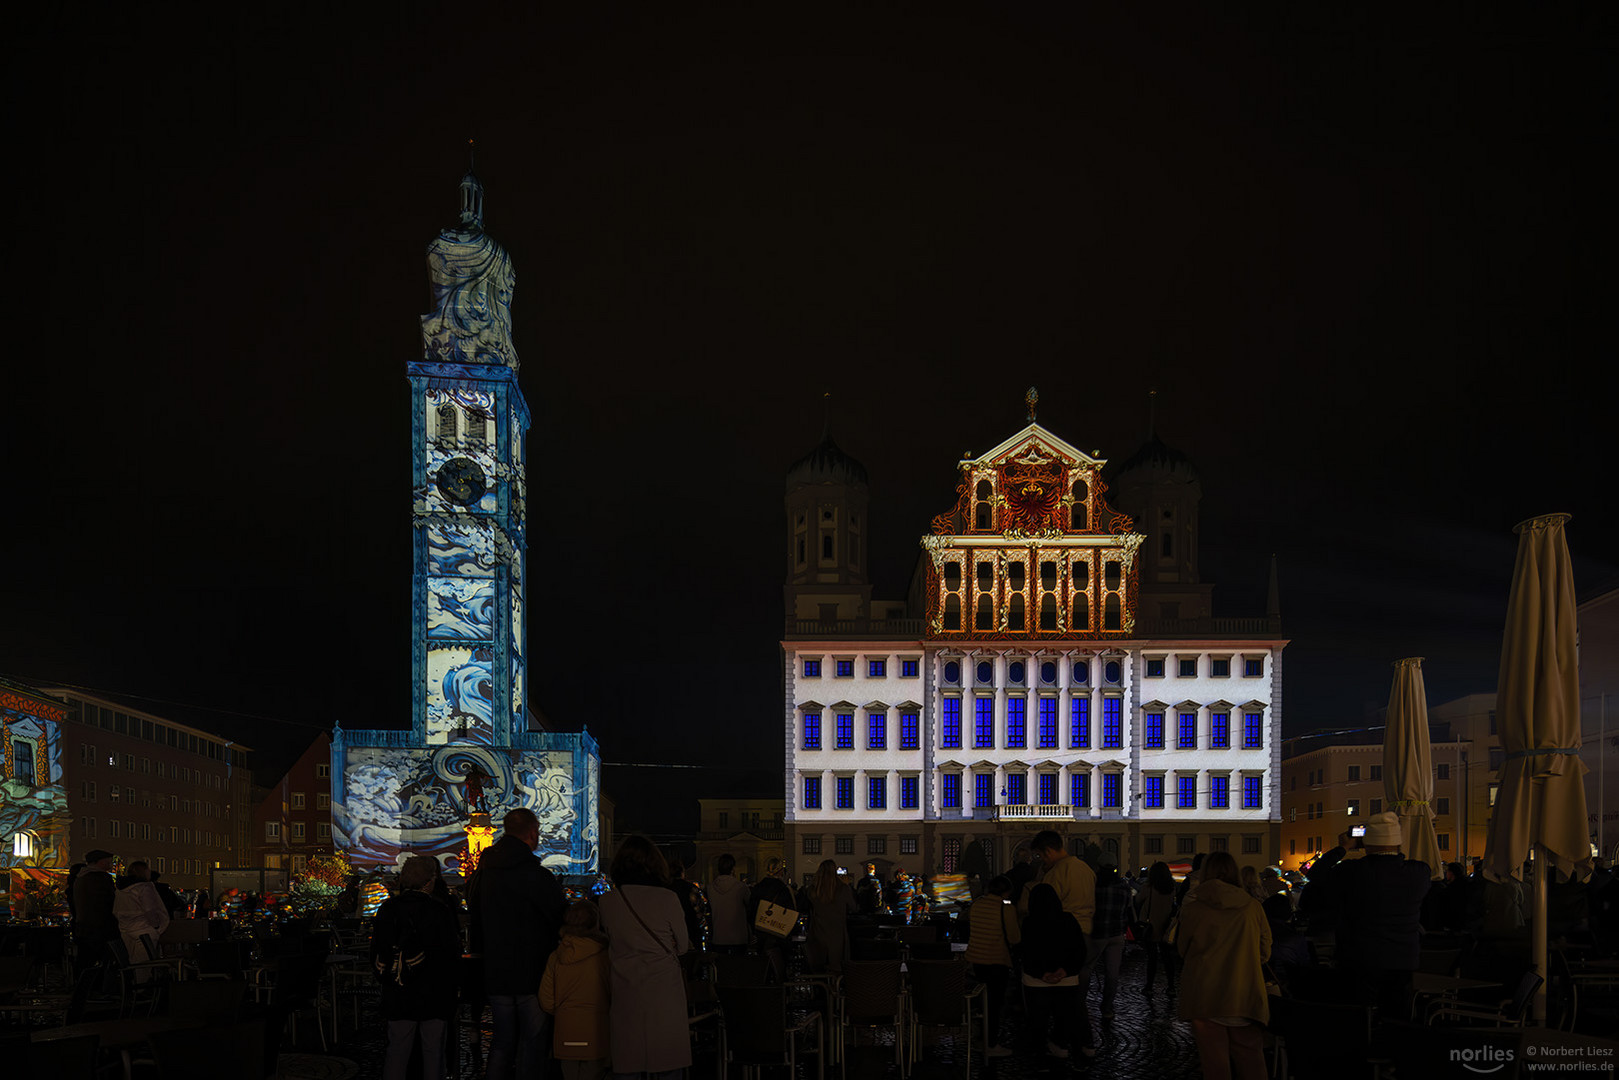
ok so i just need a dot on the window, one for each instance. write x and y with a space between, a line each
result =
1495 789
1112 672
986 673
1253 730
876 845
1188 667
812 792
1079 723
812 845
1220 667
908 669
909 792
272 830
87 789
146 764
877 792
725 819
877 730
1292 847
950 724
1186 792
1442 771
323 771
845 669
1250 845
1079 789
1048 673
845 793
812 669
298 800
1250 793
22 754
1152 792
1017 731
1353 809
950 790
323 801
1444 841
1112 723
1048 723
1155 667
323 832
1354 772
1219 792
952 672
843 845
983 722
1497 758
1442 806
907 845
877 669
983 789
846 731
1185 845
113 828
1082 673
1253 667
1112 791
1186 736
298 830
1017 789
812 731
909 739
1015 672
1152 845
1046 788
1154 735
950 855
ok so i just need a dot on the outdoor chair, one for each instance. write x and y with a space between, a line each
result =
871 995
234 1050
758 1030
1440 961
940 998
294 987
1509 1012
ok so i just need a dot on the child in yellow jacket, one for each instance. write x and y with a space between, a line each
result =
574 990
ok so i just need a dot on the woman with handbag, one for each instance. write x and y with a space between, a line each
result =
646 930
1155 910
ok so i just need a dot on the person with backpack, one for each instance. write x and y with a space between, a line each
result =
574 990
415 951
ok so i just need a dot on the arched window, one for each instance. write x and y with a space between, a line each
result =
1112 619
1014 612
983 509
448 421
1080 513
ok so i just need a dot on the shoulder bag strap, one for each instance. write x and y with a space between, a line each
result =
631 909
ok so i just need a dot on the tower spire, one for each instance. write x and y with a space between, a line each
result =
826 415
1031 398
1152 412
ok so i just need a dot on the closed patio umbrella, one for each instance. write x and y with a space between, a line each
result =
1541 801
1408 764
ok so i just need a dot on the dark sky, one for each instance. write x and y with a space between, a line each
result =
1366 264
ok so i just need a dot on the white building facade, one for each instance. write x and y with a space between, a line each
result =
1020 687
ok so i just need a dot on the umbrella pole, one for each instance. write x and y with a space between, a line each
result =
1537 1008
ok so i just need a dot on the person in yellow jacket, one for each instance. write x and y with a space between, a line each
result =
992 934
574 990
1224 939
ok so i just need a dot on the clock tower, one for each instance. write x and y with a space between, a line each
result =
472 745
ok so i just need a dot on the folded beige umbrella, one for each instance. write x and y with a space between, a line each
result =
1408 764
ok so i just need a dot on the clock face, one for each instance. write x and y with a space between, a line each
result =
461 481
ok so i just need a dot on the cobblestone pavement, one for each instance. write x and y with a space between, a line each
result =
1143 1039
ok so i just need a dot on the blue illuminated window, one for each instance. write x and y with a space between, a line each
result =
1220 731
950 724
909 788
986 672
1048 672
1152 792
812 669
876 669
812 731
1017 789
1111 672
1253 667
1187 737
950 790
877 792
1017 730
1219 793
1186 792
1079 789
1154 734
908 736
876 730
1079 735
983 789
812 792
845 793
908 669
1015 672
1112 790
1047 788
1082 673
1112 723
1048 723
845 669
1250 793
984 721
1253 730
845 731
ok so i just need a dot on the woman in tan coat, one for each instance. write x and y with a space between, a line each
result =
1223 938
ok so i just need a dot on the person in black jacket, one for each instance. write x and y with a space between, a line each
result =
516 907
416 951
1053 958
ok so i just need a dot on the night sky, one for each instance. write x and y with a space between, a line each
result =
1366 264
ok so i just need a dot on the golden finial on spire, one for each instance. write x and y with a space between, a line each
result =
1031 399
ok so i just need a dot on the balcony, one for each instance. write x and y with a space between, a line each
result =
1053 812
